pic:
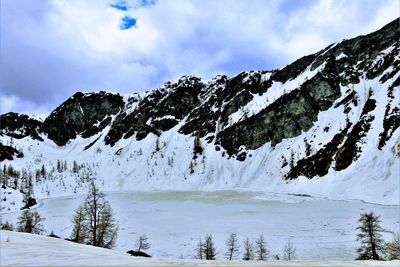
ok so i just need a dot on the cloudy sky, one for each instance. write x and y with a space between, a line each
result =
52 48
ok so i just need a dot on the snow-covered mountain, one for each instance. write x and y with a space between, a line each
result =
325 125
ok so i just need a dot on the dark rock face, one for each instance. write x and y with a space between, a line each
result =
343 149
221 98
319 163
286 117
350 149
8 153
84 114
19 126
391 120
159 111
390 124
291 71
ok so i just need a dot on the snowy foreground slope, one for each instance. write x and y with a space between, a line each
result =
21 249
326 125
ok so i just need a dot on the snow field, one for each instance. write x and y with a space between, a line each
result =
175 220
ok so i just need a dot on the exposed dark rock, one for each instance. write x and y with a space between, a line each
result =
197 150
391 74
29 203
164 124
176 100
79 115
138 254
96 128
8 153
19 126
319 163
343 149
291 71
53 235
241 156
369 106
233 94
287 117
202 120
350 150
395 84
350 98
388 60
301 195
91 144
239 101
391 122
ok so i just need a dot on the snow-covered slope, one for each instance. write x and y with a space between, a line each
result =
325 125
22 249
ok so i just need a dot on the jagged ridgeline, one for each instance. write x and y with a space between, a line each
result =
333 114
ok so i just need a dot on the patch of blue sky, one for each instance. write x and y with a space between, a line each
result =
146 3
127 23
290 6
123 5
120 5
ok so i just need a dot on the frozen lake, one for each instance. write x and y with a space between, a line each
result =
174 221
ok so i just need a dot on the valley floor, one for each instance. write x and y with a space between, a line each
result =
175 220
21 249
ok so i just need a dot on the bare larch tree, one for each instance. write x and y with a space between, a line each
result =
248 250
142 243
232 244
289 251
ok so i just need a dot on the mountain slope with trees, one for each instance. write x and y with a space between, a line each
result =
326 124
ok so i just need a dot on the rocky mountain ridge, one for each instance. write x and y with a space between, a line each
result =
315 117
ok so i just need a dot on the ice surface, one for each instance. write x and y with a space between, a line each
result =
320 229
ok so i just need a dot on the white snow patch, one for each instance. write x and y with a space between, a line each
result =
341 55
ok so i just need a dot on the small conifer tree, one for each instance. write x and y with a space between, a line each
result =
30 222
370 237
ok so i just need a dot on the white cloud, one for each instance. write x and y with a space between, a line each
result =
53 48
383 14
330 21
10 103
7 103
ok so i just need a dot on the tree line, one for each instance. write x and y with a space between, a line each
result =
29 180
372 245
206 250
